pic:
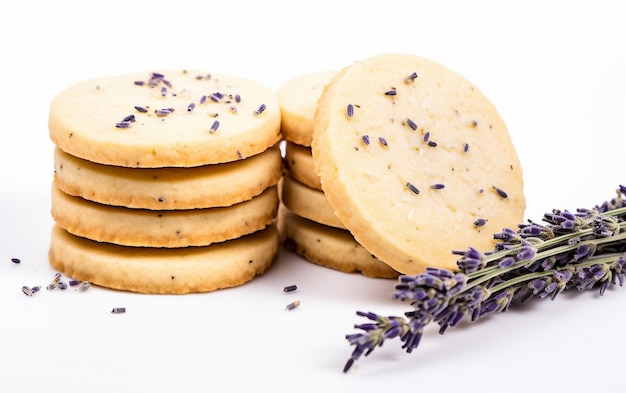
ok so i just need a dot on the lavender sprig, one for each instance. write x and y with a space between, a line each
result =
581 250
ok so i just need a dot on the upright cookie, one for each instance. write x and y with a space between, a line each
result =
164 271
162 119
416 161
168 188
297 98
162 228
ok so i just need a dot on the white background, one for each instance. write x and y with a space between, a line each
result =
554 69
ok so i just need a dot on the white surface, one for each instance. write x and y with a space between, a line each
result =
555 71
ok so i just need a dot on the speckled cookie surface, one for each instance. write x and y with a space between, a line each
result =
162 228
300 165
297 98
308 202
413 158
166 118
330 247
164 271
168 188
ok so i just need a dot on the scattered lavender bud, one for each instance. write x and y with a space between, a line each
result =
500 192
411 78
118 310
479 222
413 189
260 110
350 110
122 124
16 260
27 291
292 305
411 124
290 288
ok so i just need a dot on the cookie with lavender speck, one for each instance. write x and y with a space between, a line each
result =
174 118
300 165
297 98
308 202
162 228
168 188
329 247
164 271
410 154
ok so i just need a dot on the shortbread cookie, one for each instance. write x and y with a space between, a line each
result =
330 247
162 228
169 188
415 161
161 119
166 271
300 165
298 98
308 202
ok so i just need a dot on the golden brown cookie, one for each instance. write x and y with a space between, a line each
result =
330 247
165 271
298 99
308 202
300 165
162 228
166 118
411 157
169 188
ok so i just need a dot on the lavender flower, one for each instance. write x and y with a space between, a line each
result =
582 250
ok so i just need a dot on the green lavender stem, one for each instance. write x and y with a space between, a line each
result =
582 250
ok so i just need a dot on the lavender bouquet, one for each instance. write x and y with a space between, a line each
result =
582 250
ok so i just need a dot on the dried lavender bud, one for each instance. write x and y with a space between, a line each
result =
118 310
260 110
27 291
292 305
350 110
16 260
290 288
582 250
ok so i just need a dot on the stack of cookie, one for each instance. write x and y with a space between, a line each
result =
308 224
165 182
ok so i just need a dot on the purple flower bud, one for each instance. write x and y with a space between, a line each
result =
526 253
507 262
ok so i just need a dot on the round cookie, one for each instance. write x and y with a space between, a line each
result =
165 271
160 119
414 160
168 188
162 228
300 165
297 98
308 202
330 247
